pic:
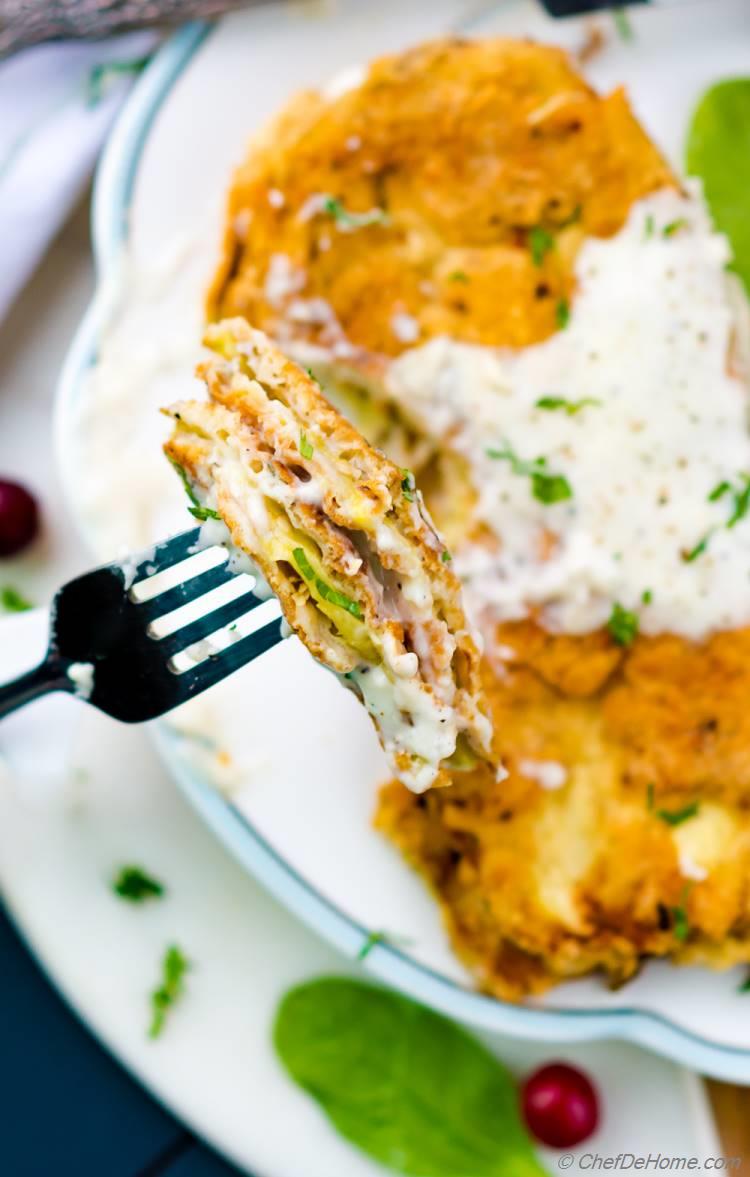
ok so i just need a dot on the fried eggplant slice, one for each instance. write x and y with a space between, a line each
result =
342 537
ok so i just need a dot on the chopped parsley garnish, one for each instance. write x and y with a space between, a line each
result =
674 227
100 75
350 220
132 883
458 276
676 817
745 986
185 481
622 625
562 313
540 243
649 227
12 601
446 557
204 513
561 402
197 511
719 491
680 922
647 596
623 25
741 501
550 488
407 485
312 376
698 550
326 592
174 966
305 448
545 487
382 938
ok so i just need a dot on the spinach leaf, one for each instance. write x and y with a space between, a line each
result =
718 150
401 1083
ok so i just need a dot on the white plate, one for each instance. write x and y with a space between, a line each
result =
68 820
295 754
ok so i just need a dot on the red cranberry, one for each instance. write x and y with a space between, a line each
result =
560 1105
19 518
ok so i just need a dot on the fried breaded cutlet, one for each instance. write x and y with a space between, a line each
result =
622 831
342 537
449 194
416 203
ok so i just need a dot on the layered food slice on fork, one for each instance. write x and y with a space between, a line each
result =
342 537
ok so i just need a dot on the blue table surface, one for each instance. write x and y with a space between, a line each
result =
67 1108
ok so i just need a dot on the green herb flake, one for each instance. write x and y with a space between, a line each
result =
623 625
174 967
546 487
551 403
305 449
446 557
623 25
745 986
101 75
680 920
325 591
347 220
562 313
362 1050
458 276
11 601
550 488
718 126
133 884
698 550
408 485
719 491
185 480
674 227
540 243
741 501
381 938
647 596
204 513
649 227
676 817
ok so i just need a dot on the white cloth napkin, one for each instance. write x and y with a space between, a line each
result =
57 103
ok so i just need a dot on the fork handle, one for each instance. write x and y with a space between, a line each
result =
42 680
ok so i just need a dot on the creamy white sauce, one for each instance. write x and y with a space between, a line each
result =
690 869
548 773
647 347
432 730
283 279
405 327
349 78
81 674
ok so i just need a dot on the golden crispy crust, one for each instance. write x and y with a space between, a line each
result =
338 531
539 886
466 147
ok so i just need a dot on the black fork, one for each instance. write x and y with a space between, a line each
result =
108 642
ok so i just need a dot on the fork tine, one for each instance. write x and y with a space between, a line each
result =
183 593
214 669
195 631
164 555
